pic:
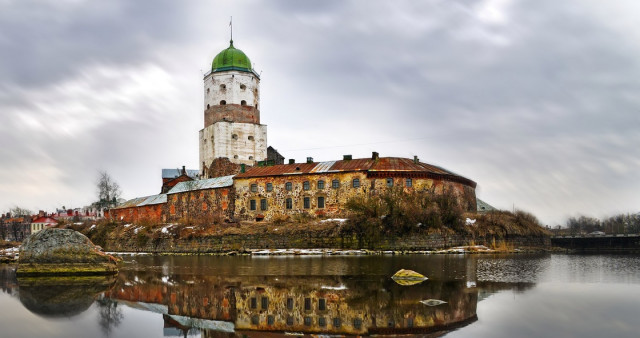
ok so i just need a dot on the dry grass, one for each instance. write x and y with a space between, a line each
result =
505 223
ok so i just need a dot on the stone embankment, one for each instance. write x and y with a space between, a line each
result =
62 252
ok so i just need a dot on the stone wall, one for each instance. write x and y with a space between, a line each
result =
201 206
318 240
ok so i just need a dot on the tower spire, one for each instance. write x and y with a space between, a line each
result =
231 25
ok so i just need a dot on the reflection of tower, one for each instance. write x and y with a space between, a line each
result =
232 126
472 271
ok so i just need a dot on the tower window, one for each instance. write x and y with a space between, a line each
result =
223 87
250 138
251 157
256 106
235 156
234 136
243 87
223 102
243 103
208 90
208 106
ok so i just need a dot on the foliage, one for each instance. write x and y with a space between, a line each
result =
398 212
505 223
617 224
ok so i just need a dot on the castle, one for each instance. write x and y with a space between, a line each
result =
241 178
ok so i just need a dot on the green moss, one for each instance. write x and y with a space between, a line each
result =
35 269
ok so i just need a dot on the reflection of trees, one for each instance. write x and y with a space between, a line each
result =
110 316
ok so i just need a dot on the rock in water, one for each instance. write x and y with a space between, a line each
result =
432 302
62 252
409 275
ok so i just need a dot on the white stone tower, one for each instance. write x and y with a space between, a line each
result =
232 126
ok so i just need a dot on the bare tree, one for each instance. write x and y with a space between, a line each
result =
18 211
108 190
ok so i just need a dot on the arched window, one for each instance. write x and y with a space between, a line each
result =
243 103
234 136
223 102
243 87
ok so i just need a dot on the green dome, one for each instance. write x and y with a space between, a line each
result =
231 59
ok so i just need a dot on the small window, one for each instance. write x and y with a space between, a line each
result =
307 202
307 304
410 322
306 185
208 90
409 182
357 323
307 321
356 183
223 102
252 205
337 322
289 320
320 184
234 136
265 301
251 157
235 156
223 87
254 188
290 303
255 320
243 103
243 87
289 203
263 204
389 182
270 320
335 184
208 106
254 303
320 202
322 322
250 138
288 186
322 304
269 186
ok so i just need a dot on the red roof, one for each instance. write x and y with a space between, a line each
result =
47 220
372 167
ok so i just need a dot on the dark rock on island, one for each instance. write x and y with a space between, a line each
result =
63 252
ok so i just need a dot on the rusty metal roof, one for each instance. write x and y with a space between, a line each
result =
211 183
141 201
382 164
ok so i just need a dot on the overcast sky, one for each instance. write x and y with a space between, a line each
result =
536 101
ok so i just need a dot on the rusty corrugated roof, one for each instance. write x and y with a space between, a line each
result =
382 164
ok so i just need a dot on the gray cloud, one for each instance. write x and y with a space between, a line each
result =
534 101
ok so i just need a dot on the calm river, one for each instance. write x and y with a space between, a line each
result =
546 295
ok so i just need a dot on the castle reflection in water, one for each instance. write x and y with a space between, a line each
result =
274 303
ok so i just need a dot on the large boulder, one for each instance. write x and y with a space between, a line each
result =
62 252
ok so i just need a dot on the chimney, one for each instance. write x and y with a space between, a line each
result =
346 157
309 159
242 168
415 159
375 155
184 171
292 161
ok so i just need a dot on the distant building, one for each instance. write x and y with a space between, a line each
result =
171 177
484 206
42 223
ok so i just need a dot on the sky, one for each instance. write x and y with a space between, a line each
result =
536 101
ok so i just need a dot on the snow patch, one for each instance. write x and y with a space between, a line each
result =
470 221
339 220
340 287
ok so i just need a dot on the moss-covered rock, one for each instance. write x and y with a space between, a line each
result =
63 252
